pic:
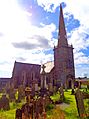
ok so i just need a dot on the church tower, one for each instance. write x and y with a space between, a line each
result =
63 56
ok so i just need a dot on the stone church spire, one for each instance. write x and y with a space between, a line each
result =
62 37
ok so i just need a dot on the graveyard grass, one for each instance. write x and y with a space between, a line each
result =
10 114
71 110
68 110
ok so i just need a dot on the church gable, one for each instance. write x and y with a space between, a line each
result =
25 73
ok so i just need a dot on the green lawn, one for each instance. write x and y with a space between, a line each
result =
71 110
10 114
69 107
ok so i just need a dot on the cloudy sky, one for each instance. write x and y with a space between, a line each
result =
28 32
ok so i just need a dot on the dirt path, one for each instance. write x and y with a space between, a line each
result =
63 106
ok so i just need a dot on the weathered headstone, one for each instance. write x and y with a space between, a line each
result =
18 114
21 93
40 104
79 102
27 111
36 87
72 85
50 87
54 89
66 85
36 111
43 89
11 94
4 103
61 93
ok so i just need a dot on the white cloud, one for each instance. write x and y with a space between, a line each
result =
12 18
78 39
81 58
79 9
15 27
10 54
76 7
46 4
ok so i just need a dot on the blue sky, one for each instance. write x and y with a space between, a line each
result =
29 30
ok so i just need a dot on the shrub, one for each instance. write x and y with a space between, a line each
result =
49 107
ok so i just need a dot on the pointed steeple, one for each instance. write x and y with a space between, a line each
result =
62 37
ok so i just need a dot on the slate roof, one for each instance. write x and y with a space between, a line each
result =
49 66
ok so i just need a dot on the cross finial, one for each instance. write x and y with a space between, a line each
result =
43 67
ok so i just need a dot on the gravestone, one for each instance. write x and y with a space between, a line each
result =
11 94
21 93
79 102
43 89
18 114
61 93
4 103
33 88
36 111
10 91
43 77
72 85
7 87
54 89
26 111
38 107
36 87
40 104
46 101
50 88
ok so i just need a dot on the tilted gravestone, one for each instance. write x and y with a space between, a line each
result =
79 96
79 102
4 103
